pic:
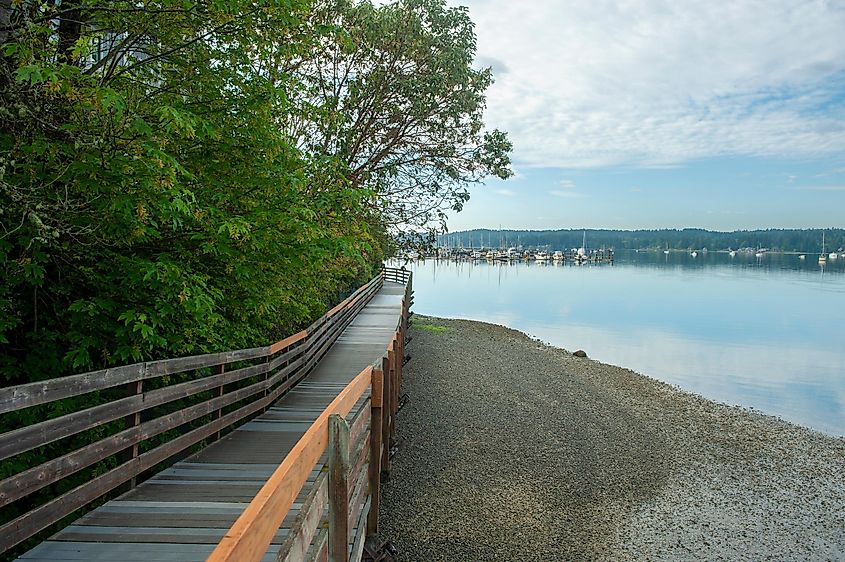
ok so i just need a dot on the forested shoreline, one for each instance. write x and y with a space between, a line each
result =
785 240
180 177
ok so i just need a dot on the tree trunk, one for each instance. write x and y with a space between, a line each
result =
5 19
70 30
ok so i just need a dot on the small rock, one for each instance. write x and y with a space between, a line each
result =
580 353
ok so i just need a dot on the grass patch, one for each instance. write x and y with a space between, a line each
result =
431 328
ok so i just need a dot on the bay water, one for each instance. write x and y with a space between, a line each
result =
763 332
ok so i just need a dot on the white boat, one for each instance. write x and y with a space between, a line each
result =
694 254
732 253
759 254
833 255
490 255
666 252
558 255
541 256
802 257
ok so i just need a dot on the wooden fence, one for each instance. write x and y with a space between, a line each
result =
156 410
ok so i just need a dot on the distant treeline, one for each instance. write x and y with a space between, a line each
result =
787 240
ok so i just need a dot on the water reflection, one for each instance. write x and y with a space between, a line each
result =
763 332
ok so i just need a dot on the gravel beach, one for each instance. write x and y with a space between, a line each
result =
516 450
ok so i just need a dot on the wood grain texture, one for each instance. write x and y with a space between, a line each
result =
338 484
306 525
374 466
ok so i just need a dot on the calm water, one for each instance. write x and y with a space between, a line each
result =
767 332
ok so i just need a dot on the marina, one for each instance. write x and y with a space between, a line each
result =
739 330
539 256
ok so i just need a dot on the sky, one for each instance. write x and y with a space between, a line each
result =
664 114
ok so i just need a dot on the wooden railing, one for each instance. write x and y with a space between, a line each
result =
349 491
142 409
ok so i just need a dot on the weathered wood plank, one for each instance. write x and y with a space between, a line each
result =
359 424
320 551
303 529
358 455
287 342
355 503
358 546
374 466
32 394
338 484
294 355
385 418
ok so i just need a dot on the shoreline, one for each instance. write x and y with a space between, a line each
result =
515 449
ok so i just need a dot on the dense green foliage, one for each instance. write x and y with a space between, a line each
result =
175 177
689 238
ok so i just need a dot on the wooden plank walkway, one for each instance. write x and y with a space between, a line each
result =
182 512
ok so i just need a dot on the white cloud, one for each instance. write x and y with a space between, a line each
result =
566 184
821 188
652 83
505 192
566 194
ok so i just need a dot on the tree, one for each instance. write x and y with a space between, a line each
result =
151 205
391 93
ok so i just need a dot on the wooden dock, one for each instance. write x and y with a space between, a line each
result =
203 507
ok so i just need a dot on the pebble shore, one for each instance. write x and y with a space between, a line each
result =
516 450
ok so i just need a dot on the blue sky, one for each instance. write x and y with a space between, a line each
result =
652 114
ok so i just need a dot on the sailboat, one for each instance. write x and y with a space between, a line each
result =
822 256
581 256
666 251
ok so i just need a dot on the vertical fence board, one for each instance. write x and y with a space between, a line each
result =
374 467
338 499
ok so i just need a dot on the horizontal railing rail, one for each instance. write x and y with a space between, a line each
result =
349 491
142 409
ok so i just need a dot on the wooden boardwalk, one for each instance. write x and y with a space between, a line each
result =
183 512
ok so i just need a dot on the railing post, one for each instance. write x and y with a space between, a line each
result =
265 378
400 344
385 418
376 401
132 420
338 486
394 383
217 414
